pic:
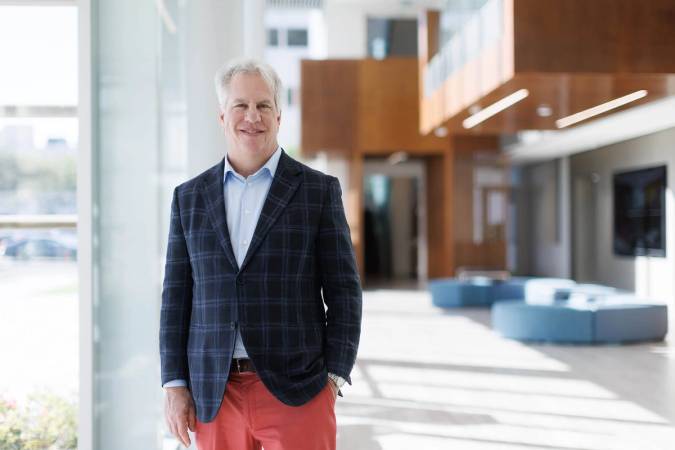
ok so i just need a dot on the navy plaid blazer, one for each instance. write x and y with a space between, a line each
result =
300 257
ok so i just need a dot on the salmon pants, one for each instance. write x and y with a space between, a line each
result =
251 418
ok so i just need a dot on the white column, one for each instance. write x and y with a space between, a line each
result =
254 28
151 118
214 35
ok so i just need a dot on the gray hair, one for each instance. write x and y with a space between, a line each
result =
226 73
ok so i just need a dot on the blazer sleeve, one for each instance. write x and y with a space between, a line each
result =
340 285
176 301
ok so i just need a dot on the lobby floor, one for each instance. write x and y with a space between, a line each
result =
430 379
425 379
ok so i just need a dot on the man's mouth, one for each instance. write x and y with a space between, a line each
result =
252 132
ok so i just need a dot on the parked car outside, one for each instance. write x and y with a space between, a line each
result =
32 248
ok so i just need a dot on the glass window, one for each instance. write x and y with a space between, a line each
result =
38 244
297 37
272 37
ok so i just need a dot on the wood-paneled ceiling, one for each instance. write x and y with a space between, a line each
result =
570 55
563 95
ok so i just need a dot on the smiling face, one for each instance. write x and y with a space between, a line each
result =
250 119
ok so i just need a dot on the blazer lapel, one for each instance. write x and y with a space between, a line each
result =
284 185
212 189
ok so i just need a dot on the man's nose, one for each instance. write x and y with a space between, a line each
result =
252 114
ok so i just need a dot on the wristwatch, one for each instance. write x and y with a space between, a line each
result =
338 380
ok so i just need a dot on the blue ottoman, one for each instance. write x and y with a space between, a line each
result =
511 289
580 322
453 293
547 290
592 292
631 323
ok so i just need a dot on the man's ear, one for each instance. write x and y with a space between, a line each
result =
221 116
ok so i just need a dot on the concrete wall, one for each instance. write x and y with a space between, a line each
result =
648 276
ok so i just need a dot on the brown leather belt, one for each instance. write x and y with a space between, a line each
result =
240 365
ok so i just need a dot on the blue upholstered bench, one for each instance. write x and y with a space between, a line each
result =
513 288
476 291
452 293
483 291
546 290
611 320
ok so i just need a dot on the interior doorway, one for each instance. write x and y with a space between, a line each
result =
394 218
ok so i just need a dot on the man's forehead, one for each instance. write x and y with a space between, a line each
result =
254 98
250 80
250 87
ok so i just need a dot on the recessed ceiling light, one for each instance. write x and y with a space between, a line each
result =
474 109
599 109
441 132
495 108
544 110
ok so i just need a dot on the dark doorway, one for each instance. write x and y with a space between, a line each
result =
391 231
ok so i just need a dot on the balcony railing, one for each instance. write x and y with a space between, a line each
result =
482 29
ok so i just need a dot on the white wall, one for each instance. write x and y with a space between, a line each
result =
335 165
345 30
346 20
648 276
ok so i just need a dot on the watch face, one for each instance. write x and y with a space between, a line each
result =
336 379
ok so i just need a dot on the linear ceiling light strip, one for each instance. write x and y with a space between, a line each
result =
495 108
599 109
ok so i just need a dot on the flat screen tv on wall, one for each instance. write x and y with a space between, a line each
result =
640 212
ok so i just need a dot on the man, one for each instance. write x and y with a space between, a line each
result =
257 245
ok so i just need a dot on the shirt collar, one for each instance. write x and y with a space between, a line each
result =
270 166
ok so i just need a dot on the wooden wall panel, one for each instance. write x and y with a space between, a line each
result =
471 152
439 215
367 105
608 36
388 106
329 105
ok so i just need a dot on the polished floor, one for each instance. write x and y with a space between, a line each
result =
425 379
428 379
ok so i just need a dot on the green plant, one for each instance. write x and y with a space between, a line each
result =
45 421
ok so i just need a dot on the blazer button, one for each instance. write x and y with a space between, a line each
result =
241 281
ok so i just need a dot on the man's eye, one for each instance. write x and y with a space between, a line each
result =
240 105
265 106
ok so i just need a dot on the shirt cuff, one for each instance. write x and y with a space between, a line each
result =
339 381
175 383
